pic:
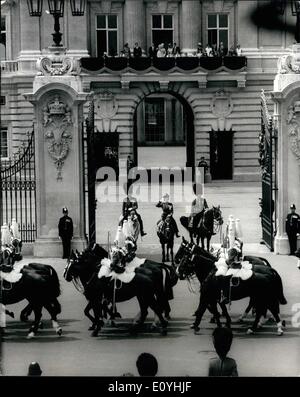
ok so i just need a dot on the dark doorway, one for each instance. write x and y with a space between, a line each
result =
221 154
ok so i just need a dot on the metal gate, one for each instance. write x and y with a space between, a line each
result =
100 149
18 190
266 161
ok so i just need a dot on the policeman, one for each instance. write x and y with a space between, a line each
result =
292 228
65 232
130 203
167 208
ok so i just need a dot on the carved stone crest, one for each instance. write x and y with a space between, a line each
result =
290 63
57 122
56 63
106 105
294 130
221 107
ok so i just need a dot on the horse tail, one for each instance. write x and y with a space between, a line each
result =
54 282
279 288
56 306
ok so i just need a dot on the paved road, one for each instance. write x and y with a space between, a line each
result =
179 353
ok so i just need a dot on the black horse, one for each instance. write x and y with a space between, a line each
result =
96 290
203 225
166 232
39 285
264 287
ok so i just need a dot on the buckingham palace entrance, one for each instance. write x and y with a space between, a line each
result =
221 154
163 132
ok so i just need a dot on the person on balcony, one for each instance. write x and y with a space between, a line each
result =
199 52
214 51
161 53
222 51
208 50
152 51
238 50
126 50
176 50
170 51
137 51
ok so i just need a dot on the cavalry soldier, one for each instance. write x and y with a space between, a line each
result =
199 205
129 204
168 209
65 232
292 228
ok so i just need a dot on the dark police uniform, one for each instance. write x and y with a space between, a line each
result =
65 231
292 227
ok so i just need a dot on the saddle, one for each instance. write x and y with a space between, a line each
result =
242 270
12 276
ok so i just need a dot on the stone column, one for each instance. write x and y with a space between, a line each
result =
190 29
168 121
76 40
30 36
287 119
135 23
140 121
58 109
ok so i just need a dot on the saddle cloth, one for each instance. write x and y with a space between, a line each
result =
12 277
244 273
128 274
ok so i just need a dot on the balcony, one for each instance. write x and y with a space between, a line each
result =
180 64
9 66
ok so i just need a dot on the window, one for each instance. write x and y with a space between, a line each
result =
4 143
218 29
155 120
162 29
107 35
3 100
3 39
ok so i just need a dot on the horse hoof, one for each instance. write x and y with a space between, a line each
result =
117 315
113 324
24 319
31 335
195 327
164 332
153 327
250 331
283 323
91 328
41 325
59 331
279 332
167 317
241 319
94 333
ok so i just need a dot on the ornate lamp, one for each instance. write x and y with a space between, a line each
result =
56 8
35 7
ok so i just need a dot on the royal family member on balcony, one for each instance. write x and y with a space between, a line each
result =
222 52
137 51
161 53
238 50
126 50
208 50
199 52
176 50
152 51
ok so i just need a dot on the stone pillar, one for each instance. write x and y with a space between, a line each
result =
140 123
287 120
134 23
190 29
168 121
178 121
58 111
29 38
76 34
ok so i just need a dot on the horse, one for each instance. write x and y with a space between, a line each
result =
203 225
17 246
96 289
264 287
39 285
166 233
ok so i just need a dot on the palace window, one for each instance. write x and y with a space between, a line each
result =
107 34
218 29
4 143
155 120
162 29
3 39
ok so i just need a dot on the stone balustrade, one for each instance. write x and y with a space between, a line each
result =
9 66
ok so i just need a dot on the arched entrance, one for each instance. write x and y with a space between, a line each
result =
164 132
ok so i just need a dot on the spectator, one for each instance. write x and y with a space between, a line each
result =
65 232
147 365
222 51
208 50
170 50
152 51
222 366
214 51
126 50
232 51
34 369
161 53
137 51
238 50
292 228
203 163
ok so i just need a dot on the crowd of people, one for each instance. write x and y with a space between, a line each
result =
147 364
173 50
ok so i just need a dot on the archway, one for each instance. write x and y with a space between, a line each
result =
163 131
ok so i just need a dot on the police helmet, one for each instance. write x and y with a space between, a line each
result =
292 207
65 210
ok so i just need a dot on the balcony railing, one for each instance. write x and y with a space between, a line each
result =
9 66
185 64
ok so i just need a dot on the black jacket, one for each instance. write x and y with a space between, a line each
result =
292 223
65 227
